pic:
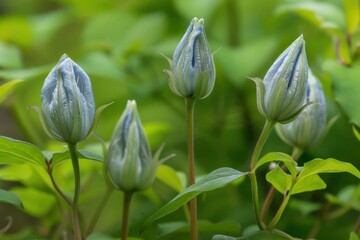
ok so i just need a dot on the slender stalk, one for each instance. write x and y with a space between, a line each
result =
280 211
99 210
57 188
268 126
297 152
254 186
190 105
357 226
126 214
74 207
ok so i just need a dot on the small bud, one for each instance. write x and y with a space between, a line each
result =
129 165
192 73
282 93
308 128
67 102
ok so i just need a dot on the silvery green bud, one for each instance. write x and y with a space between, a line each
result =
192 73
67 102
282 93
129 165
309 127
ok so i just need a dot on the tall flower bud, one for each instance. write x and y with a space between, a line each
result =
282 93
67 102
129 165
309 127
192 73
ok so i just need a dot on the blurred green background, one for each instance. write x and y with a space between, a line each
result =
119 44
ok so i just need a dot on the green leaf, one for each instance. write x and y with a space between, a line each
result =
356 132
307 184
10 56
36 203
231 58
346 89
348 197
7 88
321 14
59 157
279 179
329 165
177 228
276 157
354 236
214 180
200 8
10 198
351 8
170 177
258 235
309 180
16 151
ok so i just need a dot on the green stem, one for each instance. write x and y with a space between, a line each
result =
57 188
254 186
297 152
76 169
268 126
280 211
126 214
190 105
99 210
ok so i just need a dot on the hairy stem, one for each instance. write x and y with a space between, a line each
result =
190 105
126 214
76 169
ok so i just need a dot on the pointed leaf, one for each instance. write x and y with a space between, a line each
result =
97 117
354 236
214 180
329 165
7 88
310 183
279 179
16 151
10 198
56 158
351 8
278 156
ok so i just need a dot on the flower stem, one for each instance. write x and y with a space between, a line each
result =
296 153
76 169
254 186
126 214
190 105
280 211
99 210
57 188
268 126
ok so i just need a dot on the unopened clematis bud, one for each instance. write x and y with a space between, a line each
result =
67 102
281 95
192 73
309 127
129 165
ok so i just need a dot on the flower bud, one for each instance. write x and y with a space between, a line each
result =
192 73
309 127
129 166
282 93
67 102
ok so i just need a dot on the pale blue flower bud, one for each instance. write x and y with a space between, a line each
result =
129 165
67 102
308 128
192 73
282 93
